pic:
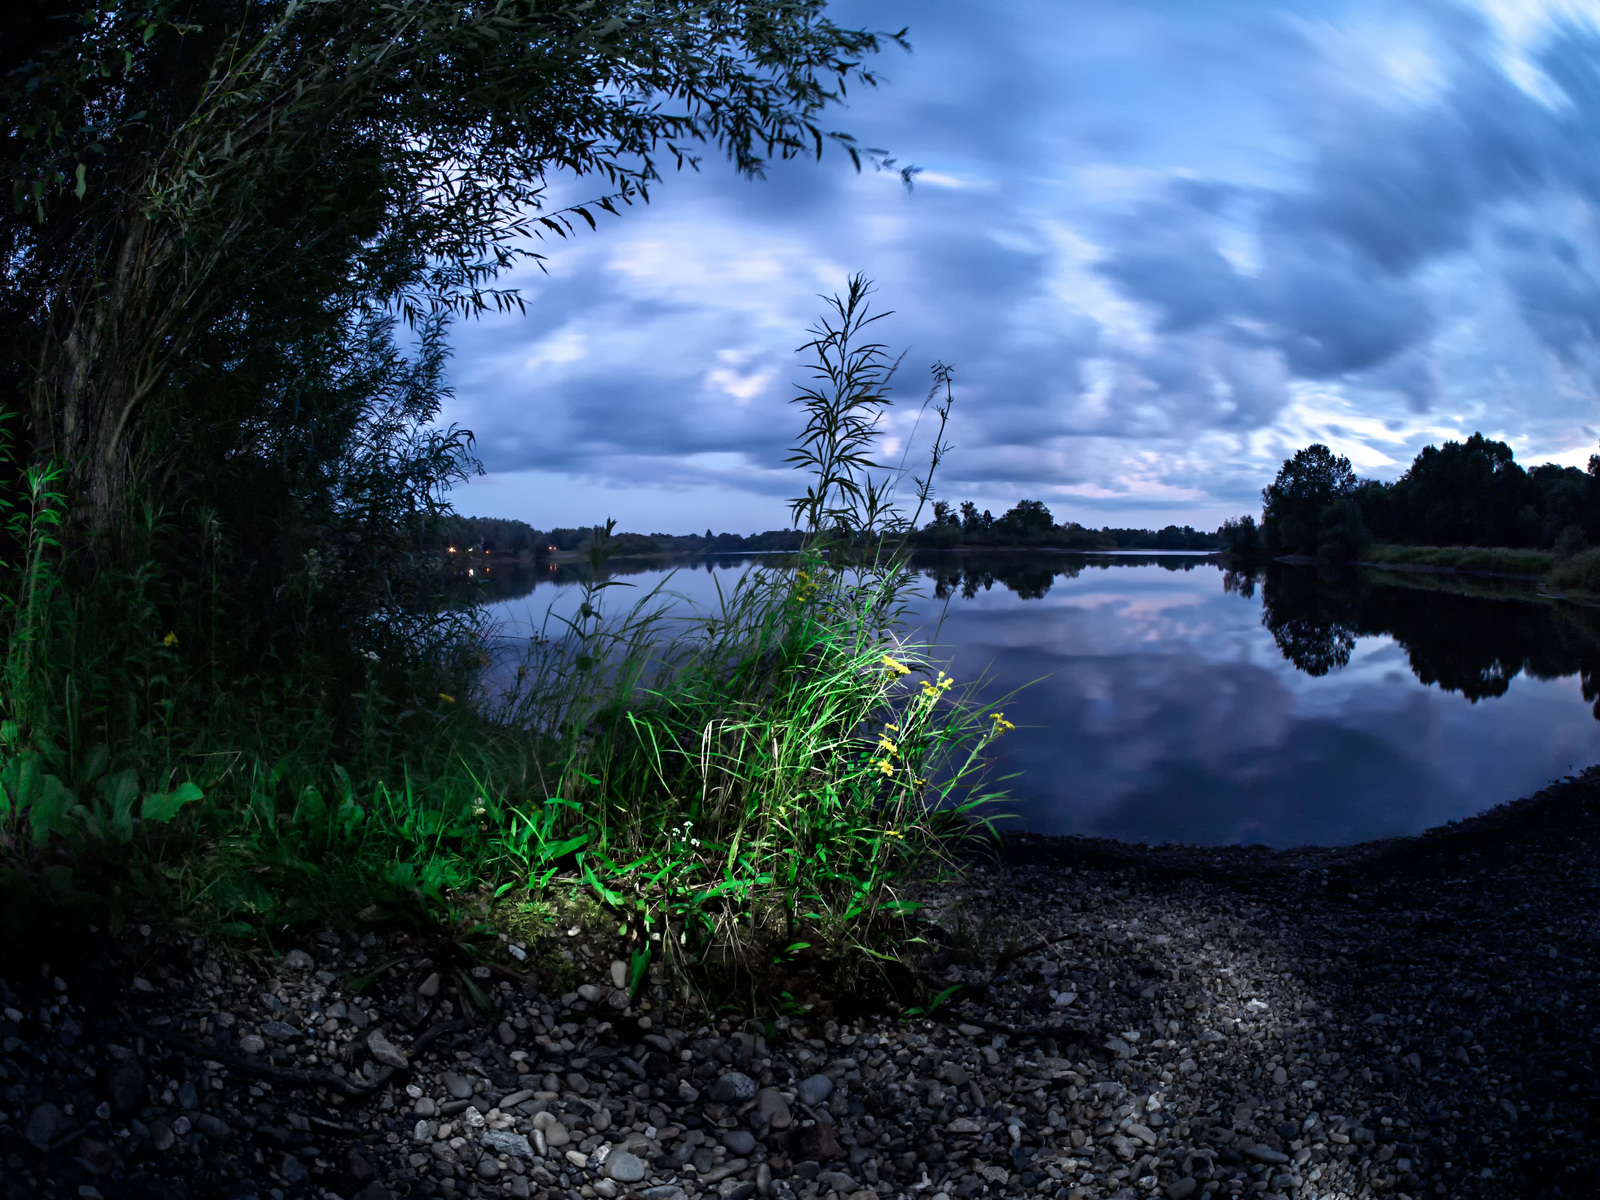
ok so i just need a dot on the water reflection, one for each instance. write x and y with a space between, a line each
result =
1164 698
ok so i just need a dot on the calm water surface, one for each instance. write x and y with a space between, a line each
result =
1161 698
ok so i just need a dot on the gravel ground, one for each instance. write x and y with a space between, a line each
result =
1404 1019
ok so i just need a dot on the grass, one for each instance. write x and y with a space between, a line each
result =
730 792
1495 559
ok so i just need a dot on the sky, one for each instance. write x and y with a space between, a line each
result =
1163 243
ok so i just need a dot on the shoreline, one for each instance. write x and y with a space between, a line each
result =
1405 1018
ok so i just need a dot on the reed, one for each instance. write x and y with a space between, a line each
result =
730 787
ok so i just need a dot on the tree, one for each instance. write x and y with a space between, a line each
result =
1292 504
220 205
1241 538
1469 493
1028 518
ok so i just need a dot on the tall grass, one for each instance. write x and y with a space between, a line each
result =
729 786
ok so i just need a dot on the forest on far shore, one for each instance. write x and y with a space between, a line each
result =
1027 524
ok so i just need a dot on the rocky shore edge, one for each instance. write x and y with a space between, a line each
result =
1408 1018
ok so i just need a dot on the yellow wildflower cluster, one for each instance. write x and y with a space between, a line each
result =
896 667
937 687
884 766
1001 725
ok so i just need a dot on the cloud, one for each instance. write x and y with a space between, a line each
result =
1159 245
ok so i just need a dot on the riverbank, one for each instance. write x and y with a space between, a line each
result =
1407 1018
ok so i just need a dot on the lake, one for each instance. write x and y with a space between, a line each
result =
1163 698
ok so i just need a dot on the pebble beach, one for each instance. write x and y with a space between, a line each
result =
1407 1019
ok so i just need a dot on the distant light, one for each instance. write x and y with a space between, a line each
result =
469 572
452 549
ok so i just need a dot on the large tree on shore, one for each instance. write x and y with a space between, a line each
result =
220 208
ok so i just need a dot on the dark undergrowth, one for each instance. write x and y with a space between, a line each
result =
743 797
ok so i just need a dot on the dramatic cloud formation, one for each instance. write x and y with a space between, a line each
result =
1163 245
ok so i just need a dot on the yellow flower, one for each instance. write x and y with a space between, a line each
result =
170 640
894 834
885 766
1001 725
447 698
885 744
896 668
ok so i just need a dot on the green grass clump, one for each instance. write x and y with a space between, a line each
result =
1497 559
1581 572
727 789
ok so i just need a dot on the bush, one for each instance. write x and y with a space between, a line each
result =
1581 572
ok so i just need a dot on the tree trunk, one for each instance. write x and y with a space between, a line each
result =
106 345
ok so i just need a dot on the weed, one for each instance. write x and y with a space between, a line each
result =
747 791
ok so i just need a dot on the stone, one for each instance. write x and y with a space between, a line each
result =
488 1168
734 1189
815 1141
280 1031
425 1107
357 1167
624 1166
188 1097
212 1125
44 1124
515 1098
506 1034
619 973
1265 1154
557 1136
663 1191
1280 1076
512 1145
1119 1047
739 1141
736 1087
373 1191
429 987
1183 1188
298 960
964 1125
125 1085
813 1090
774 1109
459 1086
835 1181
764 1179
954 1074
971 1031
385 1051
590 992
1144 1133
161 1135
294 1171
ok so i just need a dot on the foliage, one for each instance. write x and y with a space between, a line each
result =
1241 538
1494 560
1470 493
239 233
1342 535
1581 572
1292 504
725 785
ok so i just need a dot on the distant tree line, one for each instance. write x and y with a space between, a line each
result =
1030 523
1470 493
502 536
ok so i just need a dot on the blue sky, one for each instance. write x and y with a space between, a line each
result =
1163 242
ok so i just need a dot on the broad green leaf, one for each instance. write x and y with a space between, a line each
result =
161 807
